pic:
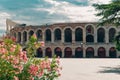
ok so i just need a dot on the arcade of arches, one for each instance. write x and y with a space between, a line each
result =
68 41
68 53
69 35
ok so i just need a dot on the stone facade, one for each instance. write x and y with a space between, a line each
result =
80 40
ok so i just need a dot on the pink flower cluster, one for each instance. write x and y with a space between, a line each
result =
13 55
45 67
33 69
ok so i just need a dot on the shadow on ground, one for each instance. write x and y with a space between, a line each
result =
115 70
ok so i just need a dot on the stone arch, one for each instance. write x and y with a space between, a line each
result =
58 52
57 28
24 36
39 34
68 52
112 33
112 52
78 34
19 36
90 52
112 27
48 35
89 29
92 25
67 28
68 35
31 32
57 34
89 33
48 52
79 52
81 27
101 52
101 35
39 52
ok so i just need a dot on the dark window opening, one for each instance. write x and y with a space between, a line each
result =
57 34
101 35
111 34
78 35
68 35
48 35
89 38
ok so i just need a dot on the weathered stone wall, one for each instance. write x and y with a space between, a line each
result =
62 44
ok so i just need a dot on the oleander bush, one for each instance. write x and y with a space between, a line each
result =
16 64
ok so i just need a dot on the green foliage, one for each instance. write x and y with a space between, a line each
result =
109 13
24 75
15 65
31 46
117 42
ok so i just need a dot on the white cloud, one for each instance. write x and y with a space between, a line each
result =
3 17
76 13
55 3
100 1
73 12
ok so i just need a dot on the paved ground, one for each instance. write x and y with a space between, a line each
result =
90 69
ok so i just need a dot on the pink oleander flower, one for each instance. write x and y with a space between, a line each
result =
13 38
15 62
58 60
42 43
23 56
33 69
12 49
40 73
3 50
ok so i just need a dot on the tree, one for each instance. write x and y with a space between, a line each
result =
109 13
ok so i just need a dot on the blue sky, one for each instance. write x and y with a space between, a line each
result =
37 12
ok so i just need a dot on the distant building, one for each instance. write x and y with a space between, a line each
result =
80 40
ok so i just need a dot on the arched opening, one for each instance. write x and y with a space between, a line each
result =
112 32
78 34
89 30
58 52
101 35
101 52
89 33
39 35
89 38
31 33
79 52
89 52
68 35
48 52
48 35
39 52
68 52
19 37
57 35
112 52
24 36
14 35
